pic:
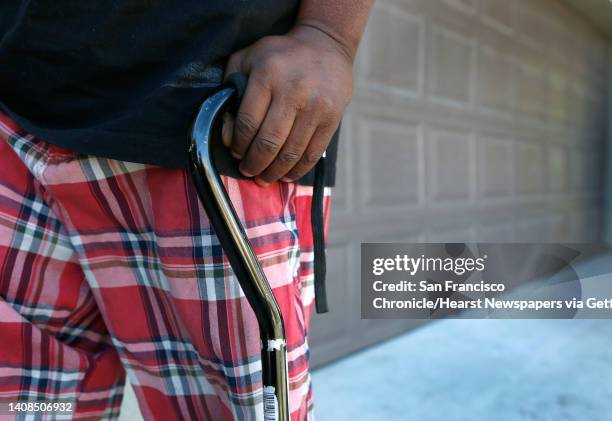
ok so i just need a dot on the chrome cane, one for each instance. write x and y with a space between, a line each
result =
205 137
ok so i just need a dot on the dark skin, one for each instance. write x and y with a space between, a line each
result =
299 85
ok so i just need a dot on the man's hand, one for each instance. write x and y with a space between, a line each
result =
299 85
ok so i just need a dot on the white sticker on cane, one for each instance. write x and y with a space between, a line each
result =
270 404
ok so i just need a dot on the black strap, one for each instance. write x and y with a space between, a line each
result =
318 236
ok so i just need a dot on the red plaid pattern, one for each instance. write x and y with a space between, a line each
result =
108 265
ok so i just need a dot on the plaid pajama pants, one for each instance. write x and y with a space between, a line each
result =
108 267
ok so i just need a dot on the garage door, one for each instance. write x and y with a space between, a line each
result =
472 120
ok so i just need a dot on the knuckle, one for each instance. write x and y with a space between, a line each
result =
289 157
311 158
245 125
267 144
331 120
234 61
323 102
298 85
272 65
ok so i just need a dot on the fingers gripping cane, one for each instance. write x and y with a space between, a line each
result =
205 139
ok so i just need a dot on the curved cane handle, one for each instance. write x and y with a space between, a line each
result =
205 134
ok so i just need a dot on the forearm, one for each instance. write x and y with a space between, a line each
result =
343 20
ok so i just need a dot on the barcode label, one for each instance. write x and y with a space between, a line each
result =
270 404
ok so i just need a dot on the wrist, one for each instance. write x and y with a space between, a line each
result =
311 30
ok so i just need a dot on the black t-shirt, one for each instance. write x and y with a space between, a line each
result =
123 79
